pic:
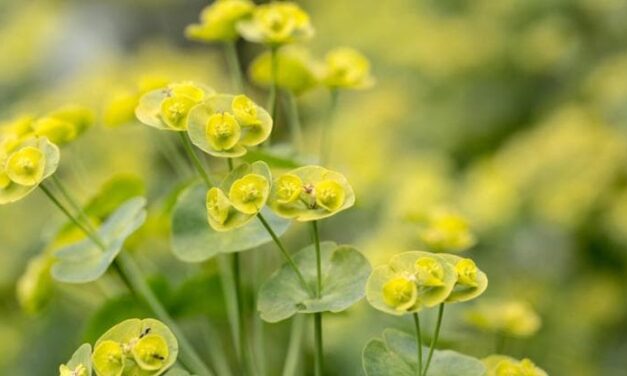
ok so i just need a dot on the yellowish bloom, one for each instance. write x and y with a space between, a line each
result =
109 358
400 293
346 68
276 24
218 20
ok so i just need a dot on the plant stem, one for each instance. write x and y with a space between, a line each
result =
72 218
189 149
73 202
272 107
418 343
327 128
293 350
132 275
229 161
318 315
286 255
294 122
243 343
232 60
434 340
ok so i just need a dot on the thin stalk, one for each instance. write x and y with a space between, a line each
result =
232 59
327 128
293 350
229 161
72 218
132 275
241 320
294 121
73 202
274 70
189 149
228 289
286 255
418 343
436 334
318 315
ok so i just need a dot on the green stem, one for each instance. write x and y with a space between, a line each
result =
272 107
294 121
72 218
318 315
189 149
229 161
232 60
436 334
73 202
418 343
241 320
132 275
293 350
286 255
327 127
228 289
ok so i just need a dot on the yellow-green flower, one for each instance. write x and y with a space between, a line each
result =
80 370
446 231
218 20
248 188
410 282
276 24
34 288
224 125
296 70
24 165
400 293
79 118
501 365
150 352
513 317
109 358
168 108
310 193
346 68
471 282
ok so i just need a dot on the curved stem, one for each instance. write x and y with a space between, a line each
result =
327 128
189 149
232 60
418 343
132 276
318 315
286 255
434 340
293 350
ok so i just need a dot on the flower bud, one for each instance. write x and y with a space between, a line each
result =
108 358
151 352
249 193
400 293
222 131
26 166
217 205
466 272
329 195
429 272
245 110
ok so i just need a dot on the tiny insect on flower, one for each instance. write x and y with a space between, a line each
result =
150 352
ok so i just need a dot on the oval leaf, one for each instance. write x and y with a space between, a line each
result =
396 355
193 240
344 274
85 261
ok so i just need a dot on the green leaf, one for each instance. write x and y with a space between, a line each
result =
81 357
85 261
272 158
177 372
396 355
344 274
193 240
113 193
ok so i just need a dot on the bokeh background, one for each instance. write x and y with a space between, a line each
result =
509 113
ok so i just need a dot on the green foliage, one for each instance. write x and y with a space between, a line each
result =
396 355
193 240
85 261
344 274
79 364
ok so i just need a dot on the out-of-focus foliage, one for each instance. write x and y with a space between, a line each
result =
509 114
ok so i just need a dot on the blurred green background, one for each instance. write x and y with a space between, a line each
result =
512 113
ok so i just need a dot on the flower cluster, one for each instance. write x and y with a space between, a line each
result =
500 365
276 24
218 21
310 193
133 347
415 280
511 317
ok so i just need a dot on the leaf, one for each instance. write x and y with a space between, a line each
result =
177 372
85 261
193 240
344 274
272 158
397 355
